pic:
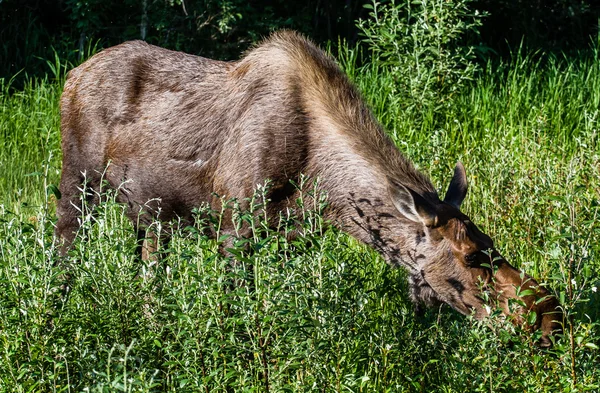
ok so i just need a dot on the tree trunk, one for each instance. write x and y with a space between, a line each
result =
144 24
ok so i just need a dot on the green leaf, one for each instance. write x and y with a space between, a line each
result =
52 189
527 292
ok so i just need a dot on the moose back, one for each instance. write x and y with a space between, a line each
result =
170 130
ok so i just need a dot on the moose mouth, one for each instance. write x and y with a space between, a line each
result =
497 290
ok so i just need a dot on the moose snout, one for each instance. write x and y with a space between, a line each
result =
511 284
472 291
549 317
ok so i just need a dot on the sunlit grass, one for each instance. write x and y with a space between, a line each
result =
322 312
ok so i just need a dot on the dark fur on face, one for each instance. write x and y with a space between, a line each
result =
176 129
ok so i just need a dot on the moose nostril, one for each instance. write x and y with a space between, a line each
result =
544 342
456 284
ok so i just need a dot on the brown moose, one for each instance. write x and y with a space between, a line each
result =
170 130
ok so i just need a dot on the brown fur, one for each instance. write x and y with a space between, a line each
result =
177 128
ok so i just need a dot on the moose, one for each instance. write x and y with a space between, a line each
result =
170 131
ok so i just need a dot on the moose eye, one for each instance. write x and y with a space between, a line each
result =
478 259
472 259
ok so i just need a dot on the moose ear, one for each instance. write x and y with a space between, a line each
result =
457 190
412 205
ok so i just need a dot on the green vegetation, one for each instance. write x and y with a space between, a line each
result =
322 313
31 30
420 44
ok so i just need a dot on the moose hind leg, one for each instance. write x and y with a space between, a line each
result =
78 197
67 225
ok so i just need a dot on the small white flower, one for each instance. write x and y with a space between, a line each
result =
488 309
594 289
573 281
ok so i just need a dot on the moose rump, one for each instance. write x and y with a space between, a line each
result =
170 130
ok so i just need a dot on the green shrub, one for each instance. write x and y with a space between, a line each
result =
324 311
422 44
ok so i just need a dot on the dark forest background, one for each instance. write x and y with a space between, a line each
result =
33 31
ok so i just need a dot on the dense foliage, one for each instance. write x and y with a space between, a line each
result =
548 25
31 30
423 45
321 312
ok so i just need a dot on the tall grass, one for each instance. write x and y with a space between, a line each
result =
321 312
29 143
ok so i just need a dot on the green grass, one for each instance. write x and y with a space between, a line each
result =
326 313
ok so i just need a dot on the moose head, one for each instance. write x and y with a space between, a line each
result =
457 263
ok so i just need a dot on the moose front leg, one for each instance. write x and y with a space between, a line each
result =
148 242
421 294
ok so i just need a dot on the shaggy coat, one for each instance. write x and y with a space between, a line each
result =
170 130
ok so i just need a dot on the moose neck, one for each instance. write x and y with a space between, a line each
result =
355 161
355 170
